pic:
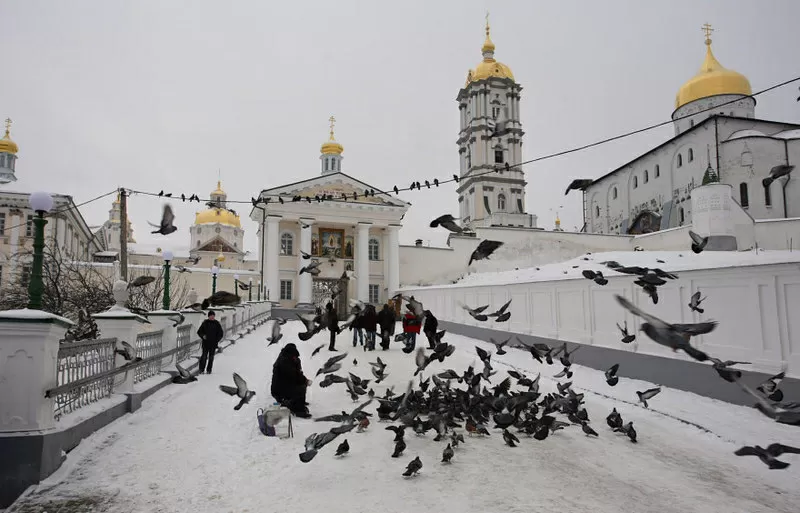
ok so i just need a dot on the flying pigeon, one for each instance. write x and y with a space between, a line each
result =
182 269
448 222
648 394
626 337
183 376
240 390
476 313
722 368
785 415
193 261
580 184
694 302
447 454
305 255
413 467
500 345
314 442
317 350
777 172
166 227
484 250
343 448
698 242
331 379
141 281
770 387
276 334
675 336
128 352
611 375
501 310
768 455
312 268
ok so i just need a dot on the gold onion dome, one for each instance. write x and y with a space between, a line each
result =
331 147
712 79
6 144
488 67
217 215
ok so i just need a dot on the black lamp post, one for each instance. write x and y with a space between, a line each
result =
167 259
41 203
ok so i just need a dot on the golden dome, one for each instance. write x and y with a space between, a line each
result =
6 144
712 79
489 67
331 147
217 215
218 190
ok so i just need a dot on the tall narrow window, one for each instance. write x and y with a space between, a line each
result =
26 275
2 223
691 155
614 193
744 200
767 195
374 293
597 211
680 160
498 156
501 202
646 176
29 227
635 182
287 244
681 216
374 249
326 164
286 289
658 171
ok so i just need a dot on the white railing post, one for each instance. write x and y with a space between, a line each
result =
29 341
160 319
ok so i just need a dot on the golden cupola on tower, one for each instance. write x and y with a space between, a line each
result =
218 214
713 79
6 144
331 147
488 67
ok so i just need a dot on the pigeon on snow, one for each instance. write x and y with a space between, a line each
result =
240 390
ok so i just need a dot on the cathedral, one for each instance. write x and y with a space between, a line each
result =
717 137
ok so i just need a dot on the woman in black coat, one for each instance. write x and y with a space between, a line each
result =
369 323
430 327
289 384
333 324
386 321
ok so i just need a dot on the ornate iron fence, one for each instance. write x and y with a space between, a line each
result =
80 360
147 345
185 345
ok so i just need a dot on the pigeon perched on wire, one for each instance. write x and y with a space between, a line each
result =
484 250
777 172
627 338
674 336
769 455
165 227
184 376
413 467
448 222
698 242
240 390
648 394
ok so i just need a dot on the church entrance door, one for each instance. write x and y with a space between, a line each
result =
324 288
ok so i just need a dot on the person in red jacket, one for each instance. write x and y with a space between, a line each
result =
411 327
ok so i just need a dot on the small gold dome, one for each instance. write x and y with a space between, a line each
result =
217 215
331 147
712 79
489 67
6 144
218 190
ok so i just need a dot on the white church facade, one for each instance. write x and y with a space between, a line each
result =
716 131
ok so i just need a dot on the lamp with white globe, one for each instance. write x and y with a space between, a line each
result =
41 203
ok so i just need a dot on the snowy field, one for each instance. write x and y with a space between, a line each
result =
188 450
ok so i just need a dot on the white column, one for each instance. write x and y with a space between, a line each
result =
393 253
384 254
272 253
305 281
362 262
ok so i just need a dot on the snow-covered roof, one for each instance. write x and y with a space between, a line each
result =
788 134
670 261
741 134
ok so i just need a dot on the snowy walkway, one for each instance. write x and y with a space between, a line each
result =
187 450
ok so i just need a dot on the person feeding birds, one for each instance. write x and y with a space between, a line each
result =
289 384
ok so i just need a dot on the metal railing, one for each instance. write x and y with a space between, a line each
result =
147 345
234 326
78 361
185 345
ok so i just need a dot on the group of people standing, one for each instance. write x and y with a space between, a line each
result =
364 327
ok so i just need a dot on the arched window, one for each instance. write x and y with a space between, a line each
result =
646 176
658 171
744 200
374 249
767 195
287 244
691 155
501 202
681 216
635 182
680 160
597 210
614 193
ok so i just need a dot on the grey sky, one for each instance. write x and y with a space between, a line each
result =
158 95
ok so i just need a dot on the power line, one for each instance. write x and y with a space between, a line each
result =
65 209
499 170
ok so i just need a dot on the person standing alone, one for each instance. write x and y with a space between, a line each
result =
333 324
210 333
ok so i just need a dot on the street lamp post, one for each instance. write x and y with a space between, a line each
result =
214 272
259 290
250 290
236 284
167 255
41 203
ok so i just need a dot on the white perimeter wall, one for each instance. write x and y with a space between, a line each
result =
756 307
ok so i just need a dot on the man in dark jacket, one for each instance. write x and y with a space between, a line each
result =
431 325
333 324
210 333
369 323
289 384
386 322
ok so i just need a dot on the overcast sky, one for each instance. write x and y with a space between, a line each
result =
158 95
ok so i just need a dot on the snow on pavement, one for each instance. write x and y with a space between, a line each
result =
187 450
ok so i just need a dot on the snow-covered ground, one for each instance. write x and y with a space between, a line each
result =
670 261
188 450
